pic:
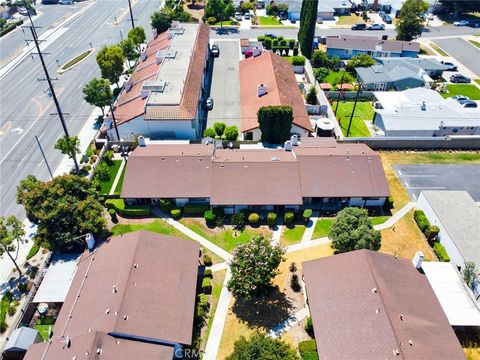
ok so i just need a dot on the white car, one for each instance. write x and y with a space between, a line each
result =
376 27
460 23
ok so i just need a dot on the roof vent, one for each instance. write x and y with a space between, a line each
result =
288 145
423 106
141 141
410 342
90 330
114 289
294 139
377 310
274 158
261 90
396 352
99 351
125 317
154 33
107 311
374 290
401 317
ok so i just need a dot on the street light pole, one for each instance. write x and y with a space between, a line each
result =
131 13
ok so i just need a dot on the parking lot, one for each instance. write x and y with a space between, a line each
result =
467 54
225 89
417 178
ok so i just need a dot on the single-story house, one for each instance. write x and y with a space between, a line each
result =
19 341
347 46
261 179
458 217
399 73
326 10
393 7
163 97
340 7
369 305
423 112
133 297
267 80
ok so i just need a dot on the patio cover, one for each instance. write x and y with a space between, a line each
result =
57 280
21 339
454 297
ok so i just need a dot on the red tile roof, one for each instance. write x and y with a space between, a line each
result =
141 285
368 305
277 75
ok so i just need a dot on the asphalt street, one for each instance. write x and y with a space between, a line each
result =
417 178
225 89
463 51
25 109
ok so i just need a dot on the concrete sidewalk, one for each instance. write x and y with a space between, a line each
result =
287 324
307 235
396 217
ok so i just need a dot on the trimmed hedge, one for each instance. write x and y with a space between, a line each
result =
113 215
203 302
421 220
432 232
195 209
209 216
308 349
307 214
288 218
271 219
441 252
207 261
176 213
208 273
298 60
309 325
127 210
253 218
207 285
9 27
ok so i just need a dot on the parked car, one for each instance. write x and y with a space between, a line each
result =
450 66
215 50
252 53
469 104
460 23
293 21
238 17
65 2
359 26
208 104
459 78
283 16
387 18
319 21
247 16
376 27
460 98
270 35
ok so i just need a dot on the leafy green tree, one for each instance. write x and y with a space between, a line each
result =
97 92
275 123
460 6
110 59
272 9
246 6
220 9
308 18
410 22
360 60
311 97
320 59
321 73
161 20
11 235
137 35
282 8
219 128
231 133
238 219
353 230
470 274
63 209
253 267
209 132
69 146
261 347
128 49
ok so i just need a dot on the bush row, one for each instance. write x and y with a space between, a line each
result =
308 349
10 27
430 231
441 252
127 210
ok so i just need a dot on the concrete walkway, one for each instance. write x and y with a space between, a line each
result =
219 266
276 235
307 245
117 178
307 235
216 331
396 217
287 324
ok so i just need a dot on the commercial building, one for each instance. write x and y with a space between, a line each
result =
369 305
131 298
423 112
317 173
163 97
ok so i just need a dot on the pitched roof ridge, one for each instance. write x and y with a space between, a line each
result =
368 256
128 100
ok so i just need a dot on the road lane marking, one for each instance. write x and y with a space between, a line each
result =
23 159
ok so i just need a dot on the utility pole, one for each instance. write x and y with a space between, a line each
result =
52 91
116 129
44 157
354 106
131 14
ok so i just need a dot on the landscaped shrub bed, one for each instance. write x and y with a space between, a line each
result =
127 210
421 220
195 209
441 252
308 350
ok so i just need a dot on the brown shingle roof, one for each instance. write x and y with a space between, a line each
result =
319 168
277 75
140 284
187 109
370 43
368 305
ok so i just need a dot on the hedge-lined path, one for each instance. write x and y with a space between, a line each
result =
310 228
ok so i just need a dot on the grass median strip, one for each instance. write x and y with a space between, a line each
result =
76 60
439 50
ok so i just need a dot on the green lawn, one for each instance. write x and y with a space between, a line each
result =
218 278
322 227
4 305
118 188
226 23
349 19
377 220
268 20
334 78
44 326
160 227
438 49
363 111
477 81
227 239
112 170
292 235
469 90
77 59
476 43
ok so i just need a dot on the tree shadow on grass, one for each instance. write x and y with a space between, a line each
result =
264 311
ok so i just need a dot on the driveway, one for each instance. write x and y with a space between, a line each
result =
417 178
464 52
225 89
